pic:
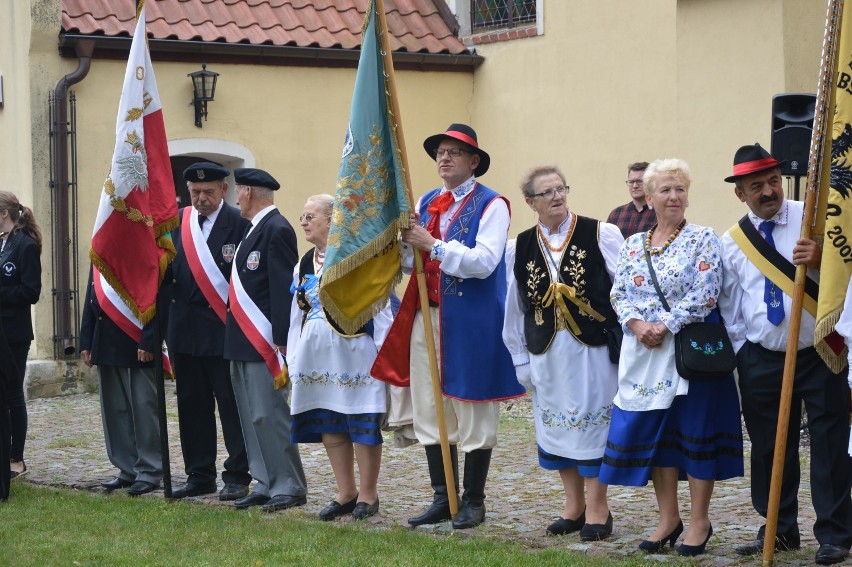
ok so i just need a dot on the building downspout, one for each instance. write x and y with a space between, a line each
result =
61 233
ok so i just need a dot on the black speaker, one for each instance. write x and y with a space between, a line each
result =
792 126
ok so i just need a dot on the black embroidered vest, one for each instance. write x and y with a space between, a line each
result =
306 267
582 267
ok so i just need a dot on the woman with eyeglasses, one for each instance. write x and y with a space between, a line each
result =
557 317
665 428
20 287
335 399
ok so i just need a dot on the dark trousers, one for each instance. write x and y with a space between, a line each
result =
826 399
4 446
203 382
16 401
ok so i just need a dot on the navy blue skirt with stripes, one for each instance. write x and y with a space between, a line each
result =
700 435
588 468
363 428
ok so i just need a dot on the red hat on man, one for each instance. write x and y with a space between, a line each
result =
462 133
752 159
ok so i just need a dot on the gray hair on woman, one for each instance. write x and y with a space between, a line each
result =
673 166
530 176
324 199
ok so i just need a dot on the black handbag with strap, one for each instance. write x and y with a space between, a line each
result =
703 350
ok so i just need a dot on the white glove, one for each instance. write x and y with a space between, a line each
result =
524 374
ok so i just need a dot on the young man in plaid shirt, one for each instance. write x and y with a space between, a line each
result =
637 215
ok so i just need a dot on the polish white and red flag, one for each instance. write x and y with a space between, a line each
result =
131 243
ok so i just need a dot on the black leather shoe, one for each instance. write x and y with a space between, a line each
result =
470 516
284 501
363 510
116 483
253 499
233 491
562 526
596 532
141 487
437 512
336 509
782 543
194 489
830 554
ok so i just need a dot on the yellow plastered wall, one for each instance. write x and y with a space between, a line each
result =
611 83
291 119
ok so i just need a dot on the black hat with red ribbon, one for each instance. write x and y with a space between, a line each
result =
462 133
752 159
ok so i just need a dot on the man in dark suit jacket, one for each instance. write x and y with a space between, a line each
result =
255 339
128 392
206 243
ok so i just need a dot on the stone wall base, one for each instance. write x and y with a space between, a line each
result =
51 378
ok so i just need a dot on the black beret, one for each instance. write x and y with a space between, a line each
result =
255 178
205 171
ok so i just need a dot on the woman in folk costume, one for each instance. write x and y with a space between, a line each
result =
335 400
557 313
664 427
20 287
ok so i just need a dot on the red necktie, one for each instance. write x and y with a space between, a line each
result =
437 207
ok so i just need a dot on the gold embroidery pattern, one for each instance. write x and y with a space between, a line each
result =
364 193
576 272
534 279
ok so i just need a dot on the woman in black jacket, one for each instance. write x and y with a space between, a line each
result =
20 286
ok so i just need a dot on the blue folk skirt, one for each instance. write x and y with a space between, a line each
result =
363 428
700 435
587 468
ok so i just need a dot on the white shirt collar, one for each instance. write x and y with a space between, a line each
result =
562 229
462 190
779 218
260 214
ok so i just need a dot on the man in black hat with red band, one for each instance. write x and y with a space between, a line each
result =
758 254
461 234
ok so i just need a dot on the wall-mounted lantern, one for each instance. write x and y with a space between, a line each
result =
203 89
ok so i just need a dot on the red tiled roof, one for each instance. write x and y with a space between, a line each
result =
416 25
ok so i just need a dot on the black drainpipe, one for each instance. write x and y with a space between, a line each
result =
61 234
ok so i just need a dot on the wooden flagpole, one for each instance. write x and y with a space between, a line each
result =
821 136
418 267
159 378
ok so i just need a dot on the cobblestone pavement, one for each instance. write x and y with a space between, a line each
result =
66 448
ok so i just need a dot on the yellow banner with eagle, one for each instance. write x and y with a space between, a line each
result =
836 194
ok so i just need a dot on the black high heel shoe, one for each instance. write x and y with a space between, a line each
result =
693 550
657 546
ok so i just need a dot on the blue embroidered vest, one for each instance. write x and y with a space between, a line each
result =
475 364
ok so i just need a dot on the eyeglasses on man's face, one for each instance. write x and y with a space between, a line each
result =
549 193
451 152
631 182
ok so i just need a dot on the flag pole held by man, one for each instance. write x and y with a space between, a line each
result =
362 263
131 241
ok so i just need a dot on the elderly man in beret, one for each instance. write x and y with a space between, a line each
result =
206 243
758 254
256 343
461 235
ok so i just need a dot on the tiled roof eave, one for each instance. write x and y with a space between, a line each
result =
108 47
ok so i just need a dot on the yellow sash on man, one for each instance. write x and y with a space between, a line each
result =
779 270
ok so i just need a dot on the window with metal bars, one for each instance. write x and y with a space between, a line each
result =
487 15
